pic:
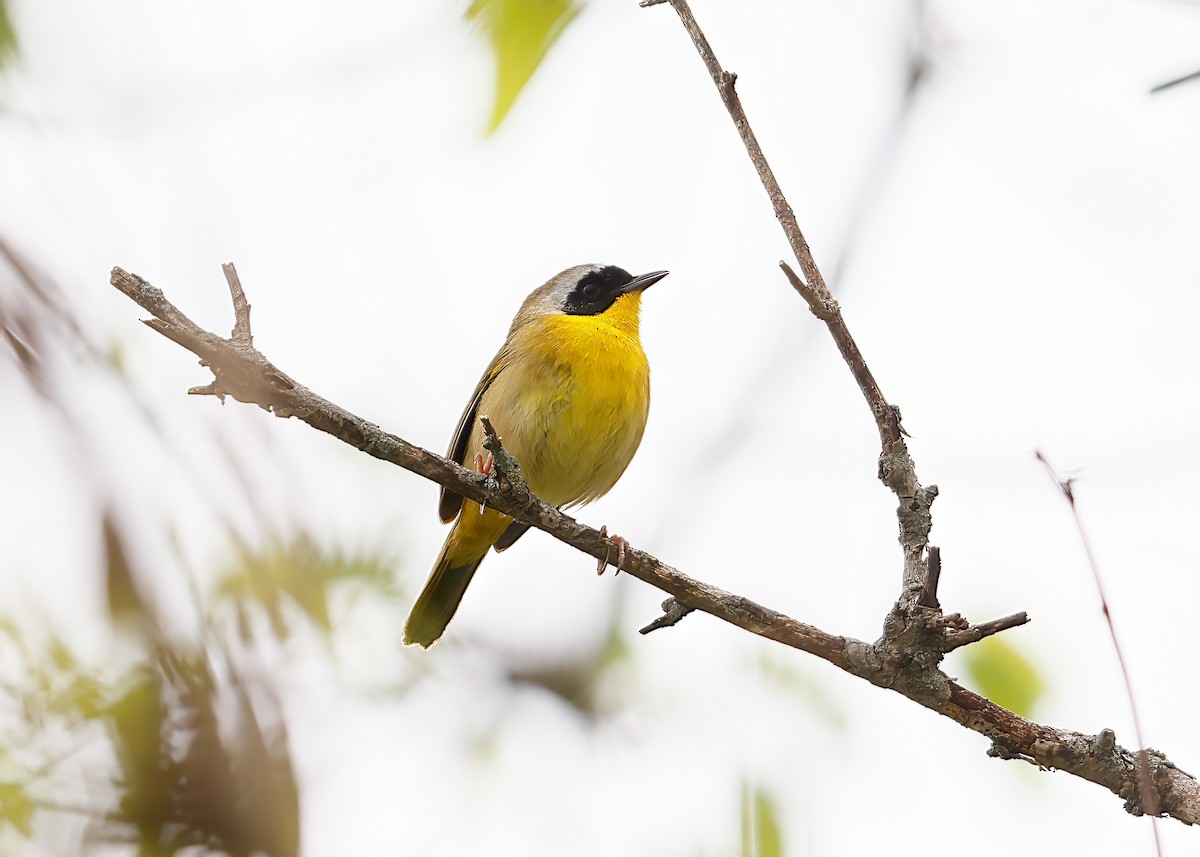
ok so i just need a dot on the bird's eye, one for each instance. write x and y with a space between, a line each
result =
590 290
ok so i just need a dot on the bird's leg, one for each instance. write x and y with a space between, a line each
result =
484 466
622 546
602 564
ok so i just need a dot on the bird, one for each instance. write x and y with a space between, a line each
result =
569 394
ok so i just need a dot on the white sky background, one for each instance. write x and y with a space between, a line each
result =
1024 276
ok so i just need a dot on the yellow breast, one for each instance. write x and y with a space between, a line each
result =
572 401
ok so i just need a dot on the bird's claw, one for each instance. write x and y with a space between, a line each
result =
484 466
621 546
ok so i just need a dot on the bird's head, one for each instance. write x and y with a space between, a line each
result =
584 290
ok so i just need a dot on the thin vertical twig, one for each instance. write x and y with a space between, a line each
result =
896 467
1147 791
724 82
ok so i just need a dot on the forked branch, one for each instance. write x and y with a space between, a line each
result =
915 625
905 664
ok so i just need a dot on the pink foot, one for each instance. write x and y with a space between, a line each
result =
621 545
484 467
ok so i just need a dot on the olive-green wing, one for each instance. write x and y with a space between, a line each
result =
449 503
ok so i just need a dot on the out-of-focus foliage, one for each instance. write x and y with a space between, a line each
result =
158 743
1002 674
520 33
196 764
36 320
197 758
303 574
584 681
8 39
761 836
16 807
45 693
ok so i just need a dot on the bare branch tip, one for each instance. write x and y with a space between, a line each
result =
798 283
489 431
646 4
1066 486
241 306
213 388
819 301
1002 624
975 633
673 613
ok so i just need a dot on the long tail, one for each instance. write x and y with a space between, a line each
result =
440 598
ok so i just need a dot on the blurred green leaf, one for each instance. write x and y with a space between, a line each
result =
87 695
760 824
520 32
1003 675
54 685
302 573
8 38
16 807
78 696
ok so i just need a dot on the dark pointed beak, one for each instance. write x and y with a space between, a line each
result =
645 281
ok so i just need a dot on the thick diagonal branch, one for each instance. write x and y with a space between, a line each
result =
243 372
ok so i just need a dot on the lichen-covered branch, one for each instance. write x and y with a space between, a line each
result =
244 373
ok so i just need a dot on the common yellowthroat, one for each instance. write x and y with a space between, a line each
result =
569 393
